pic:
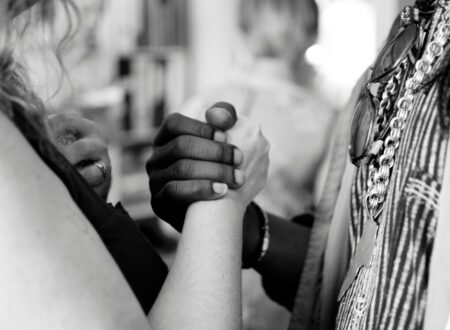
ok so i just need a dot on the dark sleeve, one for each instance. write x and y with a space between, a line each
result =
141 265
283 292
139 262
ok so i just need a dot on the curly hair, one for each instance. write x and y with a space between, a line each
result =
21 15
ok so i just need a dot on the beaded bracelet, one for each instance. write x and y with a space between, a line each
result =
264 237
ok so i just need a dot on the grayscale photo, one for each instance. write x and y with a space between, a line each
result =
225 164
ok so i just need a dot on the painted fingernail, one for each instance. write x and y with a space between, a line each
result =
218 116
220 136
220 188
238 156
239 177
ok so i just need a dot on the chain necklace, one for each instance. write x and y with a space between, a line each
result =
384 150
379 176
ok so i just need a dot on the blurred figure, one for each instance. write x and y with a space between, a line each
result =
276 90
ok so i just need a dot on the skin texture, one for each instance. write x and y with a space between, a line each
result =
81 142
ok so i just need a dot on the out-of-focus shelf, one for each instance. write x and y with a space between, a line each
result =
133 139
161 51
136 195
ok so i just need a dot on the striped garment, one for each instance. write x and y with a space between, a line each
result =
391 293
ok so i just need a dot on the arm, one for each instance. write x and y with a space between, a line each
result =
189 149
207 272
207 266
282 265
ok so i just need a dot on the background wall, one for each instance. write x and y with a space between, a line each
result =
351 33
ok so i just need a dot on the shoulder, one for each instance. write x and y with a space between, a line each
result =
23 174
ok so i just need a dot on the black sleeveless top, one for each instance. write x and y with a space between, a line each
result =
139 262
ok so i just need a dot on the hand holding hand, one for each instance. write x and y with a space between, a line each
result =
248 137
191 162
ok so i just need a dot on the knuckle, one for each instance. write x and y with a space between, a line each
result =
81 146
169 190
174 189
220 151
179 145
92 126
181 189
206 131
195 189
225 173
69 118
173 121
188 145
177 169
101 146
183 169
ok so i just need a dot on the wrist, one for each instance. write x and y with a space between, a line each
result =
234 210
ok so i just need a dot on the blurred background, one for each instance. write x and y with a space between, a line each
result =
288 64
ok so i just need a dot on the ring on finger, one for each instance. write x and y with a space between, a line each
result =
102 167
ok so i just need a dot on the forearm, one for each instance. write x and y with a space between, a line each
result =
282 265
203 289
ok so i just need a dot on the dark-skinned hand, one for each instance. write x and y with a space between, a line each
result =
191 162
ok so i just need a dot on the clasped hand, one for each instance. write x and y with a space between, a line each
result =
195 161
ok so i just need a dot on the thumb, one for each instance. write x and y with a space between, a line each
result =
221 115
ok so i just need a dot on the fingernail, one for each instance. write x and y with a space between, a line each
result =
239 177
220 136
221 115
238 156
220 188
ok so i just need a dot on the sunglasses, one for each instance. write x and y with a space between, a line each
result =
375 105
